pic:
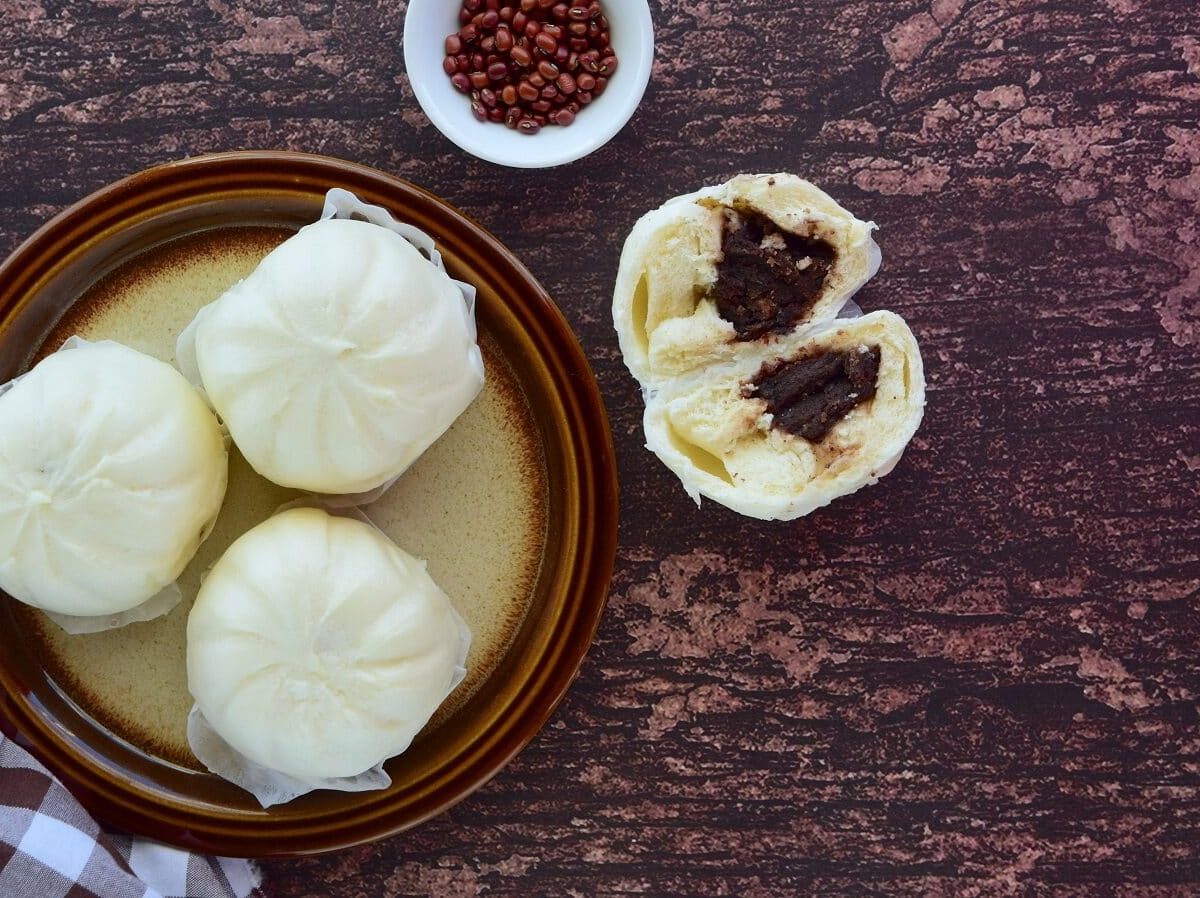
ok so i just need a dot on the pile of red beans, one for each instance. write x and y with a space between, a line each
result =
530 63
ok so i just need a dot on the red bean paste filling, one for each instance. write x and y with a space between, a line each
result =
768 278
810 395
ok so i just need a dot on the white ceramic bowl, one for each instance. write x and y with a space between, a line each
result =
426 26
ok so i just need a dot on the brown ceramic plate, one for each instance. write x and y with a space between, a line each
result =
515 508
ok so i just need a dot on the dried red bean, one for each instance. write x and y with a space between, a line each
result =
530 63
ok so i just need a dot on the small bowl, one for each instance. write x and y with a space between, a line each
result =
426 27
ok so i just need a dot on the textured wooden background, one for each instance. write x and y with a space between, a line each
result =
979 678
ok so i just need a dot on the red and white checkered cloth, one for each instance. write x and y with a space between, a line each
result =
51 848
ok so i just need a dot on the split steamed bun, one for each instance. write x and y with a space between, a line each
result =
112 471
758 395
318 649
339 360
775 453
669 315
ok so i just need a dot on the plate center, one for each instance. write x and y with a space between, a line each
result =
474 505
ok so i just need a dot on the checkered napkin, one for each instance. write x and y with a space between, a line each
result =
51 848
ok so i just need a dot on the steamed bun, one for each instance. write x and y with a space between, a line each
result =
760 395
778 434
112 471
340 359
318 649
670 309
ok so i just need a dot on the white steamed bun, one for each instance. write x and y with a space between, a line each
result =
112 471
318 649
340 359
723 287
663 309
717 433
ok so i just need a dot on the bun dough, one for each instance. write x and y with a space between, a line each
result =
112 471
340 359
666 320
719 438
317 648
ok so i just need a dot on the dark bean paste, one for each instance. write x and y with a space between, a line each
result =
768 278
810 395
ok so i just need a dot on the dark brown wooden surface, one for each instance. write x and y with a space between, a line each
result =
979 678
